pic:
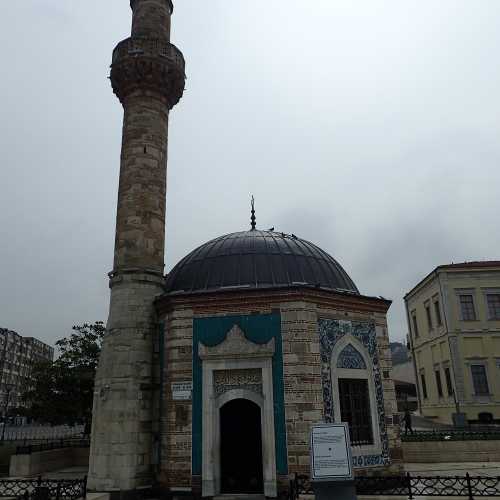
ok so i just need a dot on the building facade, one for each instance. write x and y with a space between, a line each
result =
454 323
17 356
210 379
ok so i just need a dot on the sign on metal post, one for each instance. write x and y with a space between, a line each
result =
331 453
181 391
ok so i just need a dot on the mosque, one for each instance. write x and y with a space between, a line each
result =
211 377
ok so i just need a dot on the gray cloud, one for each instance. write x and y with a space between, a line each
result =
369 128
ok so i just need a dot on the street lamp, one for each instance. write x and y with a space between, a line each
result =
8 390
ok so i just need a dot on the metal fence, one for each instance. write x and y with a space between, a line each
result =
412 486
453 435
34 433
28 449
46 489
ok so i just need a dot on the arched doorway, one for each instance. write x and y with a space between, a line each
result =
241 447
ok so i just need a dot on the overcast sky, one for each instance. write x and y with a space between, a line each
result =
368 127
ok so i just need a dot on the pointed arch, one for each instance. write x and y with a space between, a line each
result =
350 358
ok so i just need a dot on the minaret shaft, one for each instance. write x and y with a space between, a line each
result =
140 221
147 75
151 18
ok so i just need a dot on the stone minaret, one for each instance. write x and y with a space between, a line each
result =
147 75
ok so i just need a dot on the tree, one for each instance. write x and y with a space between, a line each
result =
62 391
81 349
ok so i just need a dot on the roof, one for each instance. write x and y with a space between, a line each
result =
474 264
257 260
478 264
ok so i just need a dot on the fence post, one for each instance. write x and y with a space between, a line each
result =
408 484
39 481
469 488
84 487
58 491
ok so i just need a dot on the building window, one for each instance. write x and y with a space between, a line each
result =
429 317
424 386
467 307
479 380
438 383
437 310
493 300
447 376
415 324
355 409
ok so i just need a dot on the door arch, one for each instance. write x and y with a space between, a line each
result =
241 463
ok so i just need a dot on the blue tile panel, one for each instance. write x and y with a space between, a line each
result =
330 332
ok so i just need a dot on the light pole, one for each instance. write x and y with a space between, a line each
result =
8 390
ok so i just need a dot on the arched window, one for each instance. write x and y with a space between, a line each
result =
352 378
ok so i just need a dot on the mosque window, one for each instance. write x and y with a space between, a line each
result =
355 409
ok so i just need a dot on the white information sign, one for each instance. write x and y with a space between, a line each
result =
181 391
331 453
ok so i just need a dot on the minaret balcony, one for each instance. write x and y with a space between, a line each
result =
148 63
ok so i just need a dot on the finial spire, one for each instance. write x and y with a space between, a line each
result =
253 214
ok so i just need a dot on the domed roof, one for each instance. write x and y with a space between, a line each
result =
257 260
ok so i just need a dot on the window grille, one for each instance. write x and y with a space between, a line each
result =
355 409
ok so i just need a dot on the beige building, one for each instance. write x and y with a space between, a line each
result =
454 323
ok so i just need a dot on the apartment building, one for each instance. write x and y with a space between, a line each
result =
454 332
17 356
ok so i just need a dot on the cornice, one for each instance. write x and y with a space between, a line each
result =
270 299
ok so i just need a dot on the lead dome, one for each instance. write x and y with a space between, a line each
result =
257 259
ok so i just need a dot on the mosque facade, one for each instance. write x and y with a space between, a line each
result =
210 378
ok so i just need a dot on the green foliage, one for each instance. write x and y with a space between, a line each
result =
62 391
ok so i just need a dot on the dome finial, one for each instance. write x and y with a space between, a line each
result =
252 219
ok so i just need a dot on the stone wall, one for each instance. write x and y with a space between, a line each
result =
451 451
47 461
176 416
303 384
302 374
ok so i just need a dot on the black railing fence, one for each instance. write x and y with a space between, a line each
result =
452 435
412 486
43 489
27 449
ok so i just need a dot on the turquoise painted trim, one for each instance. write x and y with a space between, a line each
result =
258 328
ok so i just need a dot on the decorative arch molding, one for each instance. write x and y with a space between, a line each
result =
335 336
245 370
